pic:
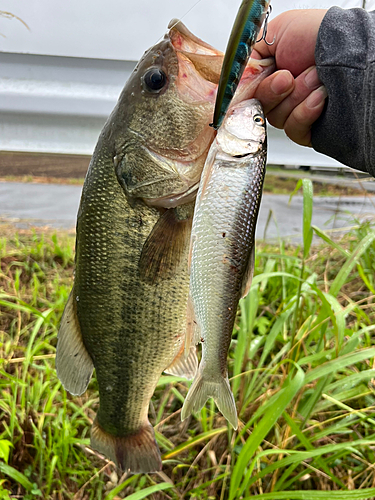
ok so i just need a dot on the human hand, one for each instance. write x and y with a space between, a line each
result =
293 97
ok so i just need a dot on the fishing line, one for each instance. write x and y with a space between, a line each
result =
186 13
180 19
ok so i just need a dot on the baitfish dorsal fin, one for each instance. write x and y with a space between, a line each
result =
74 365
165 246
183 366
248 275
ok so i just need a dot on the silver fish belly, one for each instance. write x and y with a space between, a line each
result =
222 249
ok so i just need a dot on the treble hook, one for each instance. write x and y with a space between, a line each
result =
264 34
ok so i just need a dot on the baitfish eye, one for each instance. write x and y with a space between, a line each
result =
258 120
154 79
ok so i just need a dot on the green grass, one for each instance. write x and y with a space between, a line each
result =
302 368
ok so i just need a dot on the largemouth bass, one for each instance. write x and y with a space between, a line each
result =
126 315
222 249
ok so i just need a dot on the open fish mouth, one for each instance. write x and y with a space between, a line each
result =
200 64
206 59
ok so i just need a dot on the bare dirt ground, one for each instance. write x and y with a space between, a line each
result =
46 165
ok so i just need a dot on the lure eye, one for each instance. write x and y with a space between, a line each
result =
258 120
155 79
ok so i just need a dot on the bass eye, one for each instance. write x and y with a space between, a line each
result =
258 120
155 79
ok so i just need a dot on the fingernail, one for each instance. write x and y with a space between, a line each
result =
282 83
316 98
312 79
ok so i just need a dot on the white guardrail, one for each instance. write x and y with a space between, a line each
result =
59 105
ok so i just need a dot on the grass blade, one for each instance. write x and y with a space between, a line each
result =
300 456
350 263
337 364
364 494
192 442
138 495
307 188
16 475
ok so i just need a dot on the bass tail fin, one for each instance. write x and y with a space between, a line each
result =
137 452
219 390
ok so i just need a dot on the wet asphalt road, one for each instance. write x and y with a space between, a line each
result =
52 205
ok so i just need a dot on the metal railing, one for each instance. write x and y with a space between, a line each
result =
59 105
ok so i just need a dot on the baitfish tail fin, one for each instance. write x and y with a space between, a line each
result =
204 388
137 452
74 365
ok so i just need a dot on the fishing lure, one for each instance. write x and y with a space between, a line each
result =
243 37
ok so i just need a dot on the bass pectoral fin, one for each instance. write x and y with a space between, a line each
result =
74 365
165 246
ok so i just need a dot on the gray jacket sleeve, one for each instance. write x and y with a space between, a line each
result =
345 60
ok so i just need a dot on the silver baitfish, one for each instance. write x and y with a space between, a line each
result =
222 249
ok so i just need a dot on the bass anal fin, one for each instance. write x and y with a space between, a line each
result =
183 366
74 365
